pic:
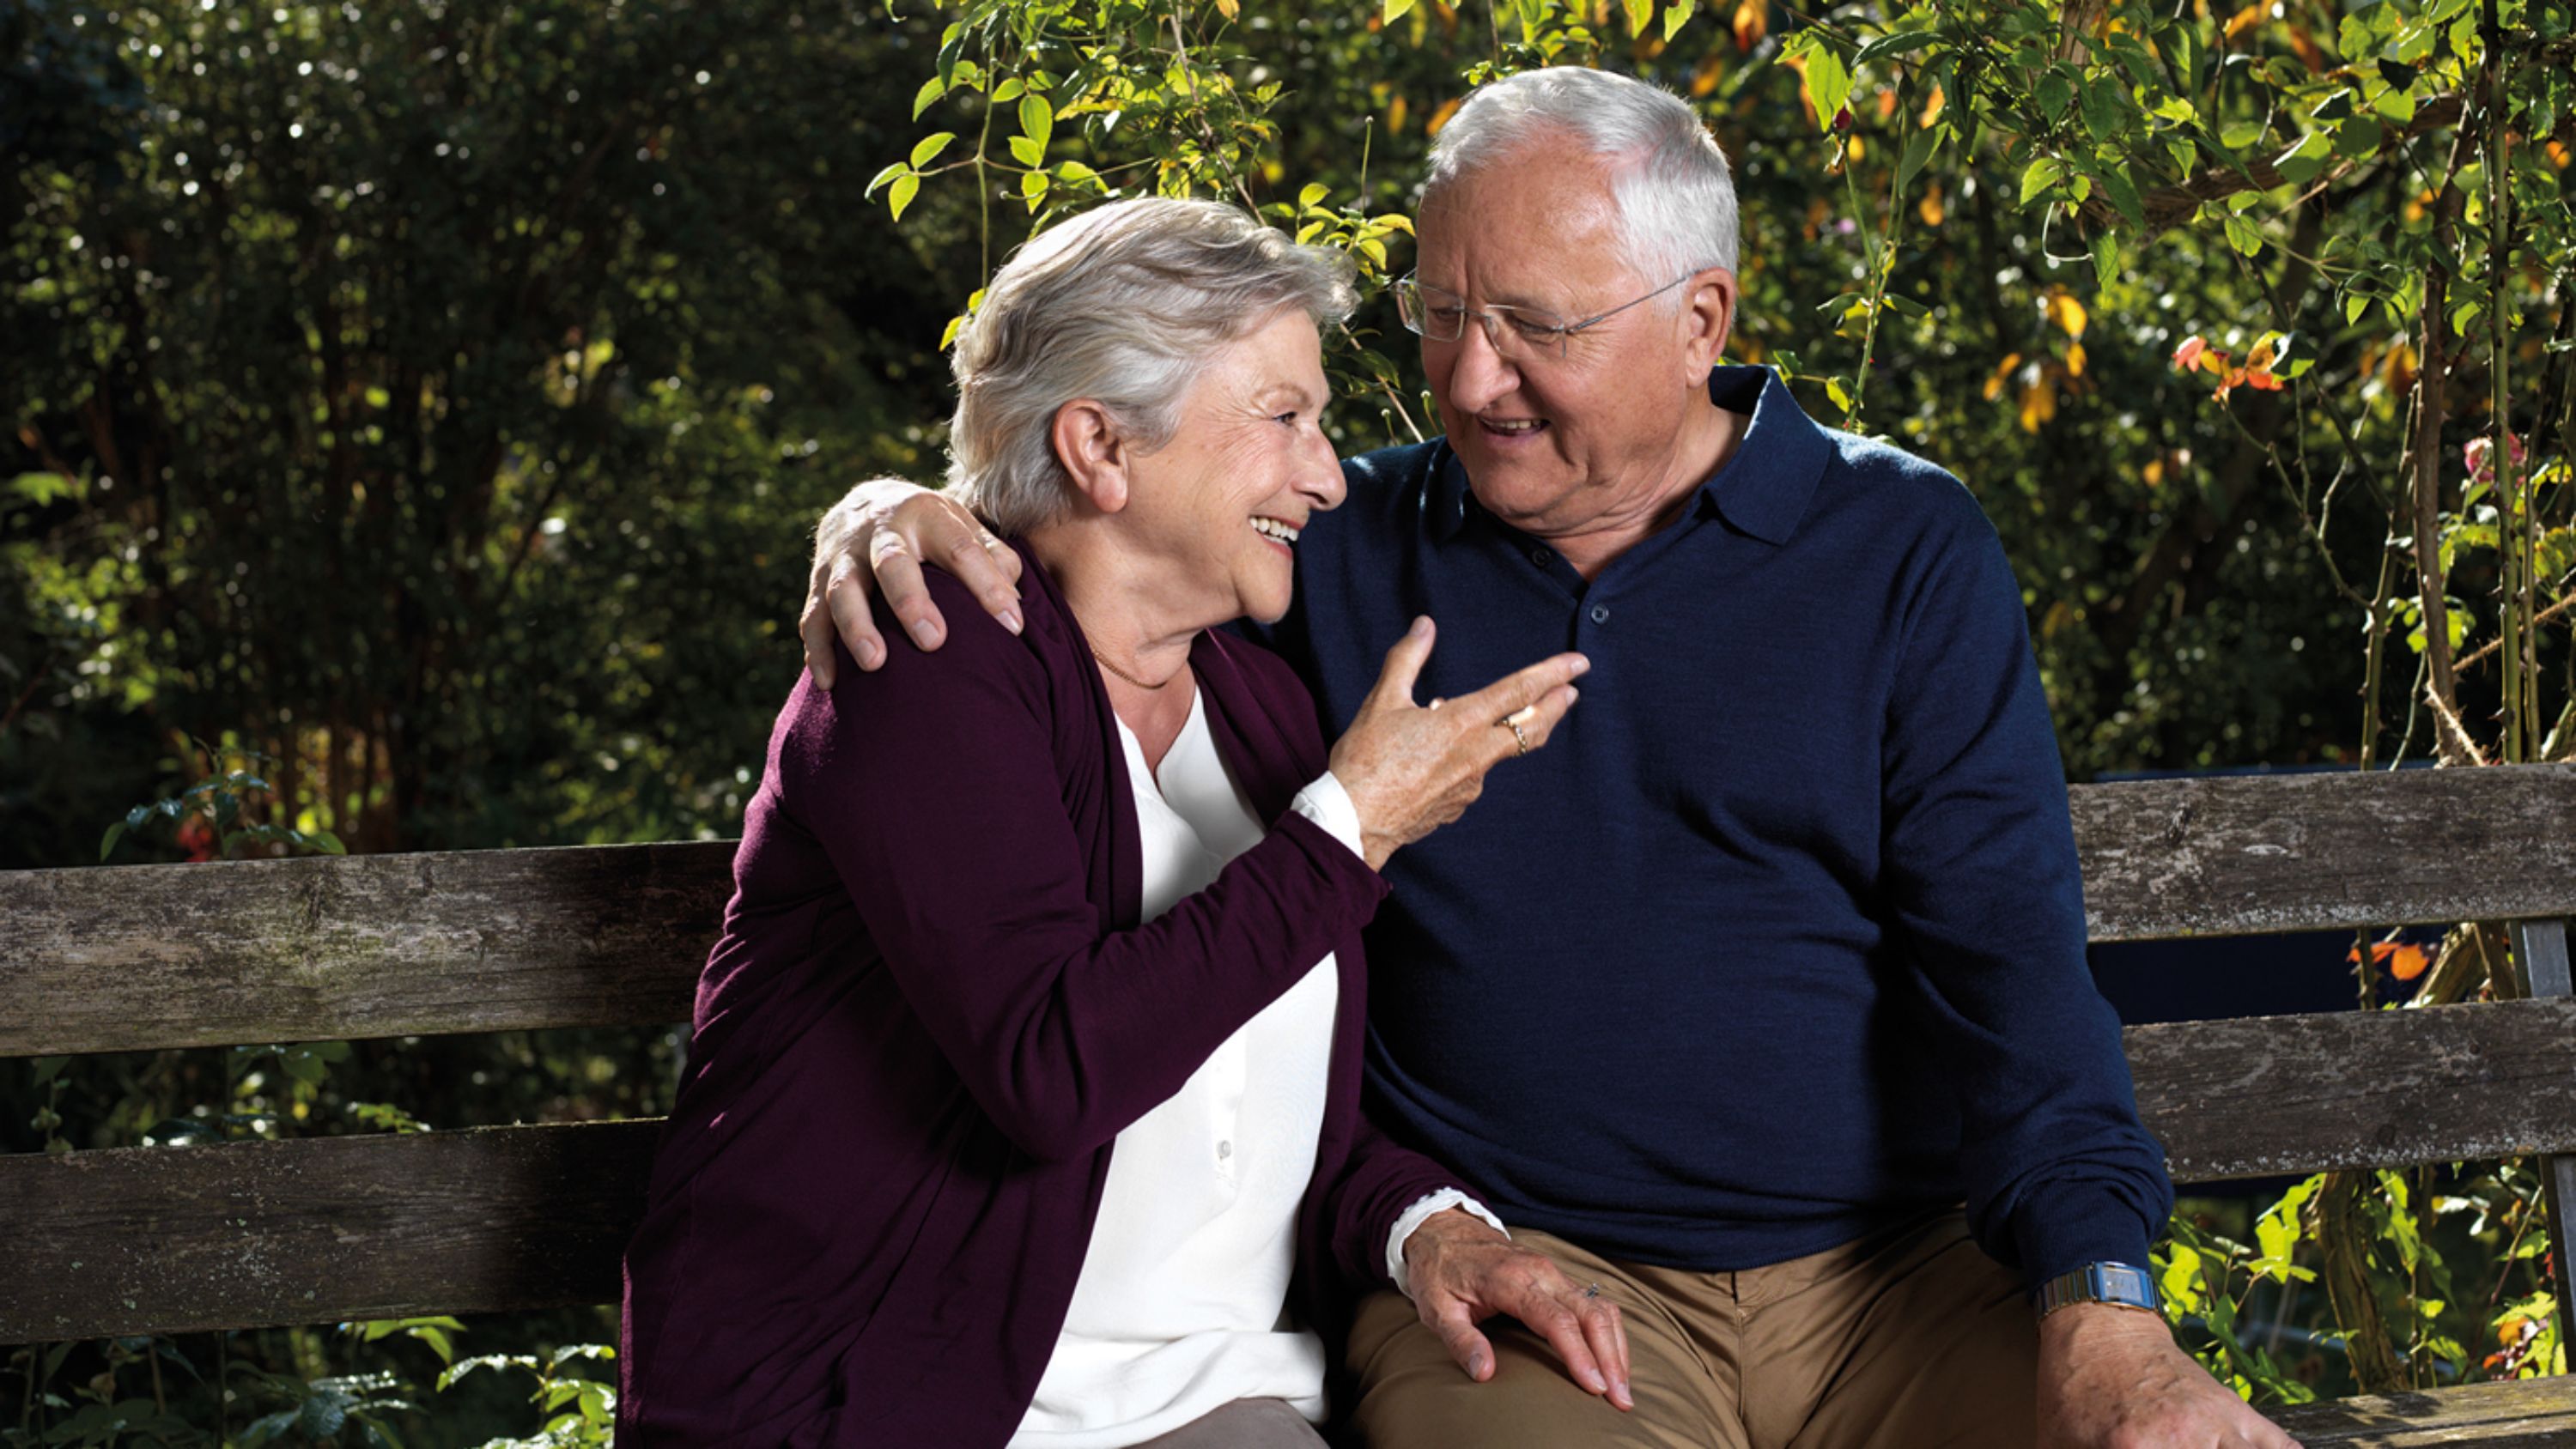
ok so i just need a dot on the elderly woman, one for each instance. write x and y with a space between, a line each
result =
1023 1102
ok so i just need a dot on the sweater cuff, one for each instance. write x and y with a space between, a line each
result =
1419 1213
1328 804
2062 1226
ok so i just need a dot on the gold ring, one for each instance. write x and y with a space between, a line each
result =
1515 720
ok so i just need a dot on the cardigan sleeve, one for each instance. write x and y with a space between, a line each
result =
934 786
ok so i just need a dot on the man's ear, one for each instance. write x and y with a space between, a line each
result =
1708 319
1094 451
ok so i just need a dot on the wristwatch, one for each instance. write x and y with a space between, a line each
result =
2118 1284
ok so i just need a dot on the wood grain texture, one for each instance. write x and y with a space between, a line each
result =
2268 1096
176 1239
2253 855
317 1230
210 955
135 957
2526 1414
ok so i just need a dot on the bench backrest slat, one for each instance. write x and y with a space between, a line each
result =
318 1230
211 955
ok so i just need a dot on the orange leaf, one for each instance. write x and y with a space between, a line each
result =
1752 22
1440 117
2062 309
2074 359
2187 356
2247 18
1930 208
2408 962
2038 403
1931 110
1704 79
2003 370
1395 113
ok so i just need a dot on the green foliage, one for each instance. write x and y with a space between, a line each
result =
581 1413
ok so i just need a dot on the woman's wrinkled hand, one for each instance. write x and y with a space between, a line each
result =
1411 770
878 537
1460 1271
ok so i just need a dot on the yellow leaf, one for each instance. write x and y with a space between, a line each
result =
2247 18
1931 110
1395 113
1704 80
2154 472
1440 117
2038 403
2074 359
2066 312
1929 208
1229 8
1857 148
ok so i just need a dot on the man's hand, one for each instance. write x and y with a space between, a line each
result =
879 537
1461 1271
2113 1378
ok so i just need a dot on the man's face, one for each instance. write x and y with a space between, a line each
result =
1554 445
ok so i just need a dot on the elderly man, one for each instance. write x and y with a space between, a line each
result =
1730 999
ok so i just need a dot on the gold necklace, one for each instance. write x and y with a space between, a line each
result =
1132 679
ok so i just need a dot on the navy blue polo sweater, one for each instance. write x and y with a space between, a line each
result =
1781 937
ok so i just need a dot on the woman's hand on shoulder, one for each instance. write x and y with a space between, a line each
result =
878 537
1411 769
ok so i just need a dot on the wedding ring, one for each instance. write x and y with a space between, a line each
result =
1593 1291
1515 720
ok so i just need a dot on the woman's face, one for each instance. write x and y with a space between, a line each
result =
1215 512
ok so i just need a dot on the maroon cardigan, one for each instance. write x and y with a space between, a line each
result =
932 1011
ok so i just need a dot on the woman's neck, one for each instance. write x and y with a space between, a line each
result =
1143 642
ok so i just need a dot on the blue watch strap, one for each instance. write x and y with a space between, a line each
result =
2119 1284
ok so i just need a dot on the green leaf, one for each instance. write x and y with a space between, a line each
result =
2242 236
1677 13
2106 108
323 841
1887 46
2358 137
931 90
2056 91
1834 389
2123 193
930 147
1641 13
2105 259
900 195
1393 11
1037 118
1918 152
114 832
1828 85
2039 176
1311 193
1033 189
2300 164
888 174
1027 152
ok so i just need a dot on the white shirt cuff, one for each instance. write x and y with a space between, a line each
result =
1412 1217
1325 802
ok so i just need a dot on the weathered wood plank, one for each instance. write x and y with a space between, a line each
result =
175 1239
208 955
2526 1414
2252 855
318 1230
369 946
2264 1096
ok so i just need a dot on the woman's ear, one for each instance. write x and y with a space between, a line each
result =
1094 452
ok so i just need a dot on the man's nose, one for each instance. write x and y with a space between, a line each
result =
1481 375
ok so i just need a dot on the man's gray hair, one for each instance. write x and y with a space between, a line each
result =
1123 305
1669 180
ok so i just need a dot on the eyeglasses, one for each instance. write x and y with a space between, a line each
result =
1441 316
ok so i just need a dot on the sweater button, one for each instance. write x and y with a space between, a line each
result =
1539 556
1601 613
1224 1150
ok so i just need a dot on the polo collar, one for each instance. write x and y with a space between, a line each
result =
1762 489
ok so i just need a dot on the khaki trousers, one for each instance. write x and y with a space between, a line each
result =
1910 1338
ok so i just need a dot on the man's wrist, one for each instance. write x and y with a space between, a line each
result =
2106 1284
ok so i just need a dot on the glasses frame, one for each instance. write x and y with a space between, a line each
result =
1409 288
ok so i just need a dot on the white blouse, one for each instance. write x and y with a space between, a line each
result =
1181 1304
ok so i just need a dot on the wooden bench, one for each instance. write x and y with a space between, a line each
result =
155 1240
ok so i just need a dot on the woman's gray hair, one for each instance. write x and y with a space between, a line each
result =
1671 183
1123 305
